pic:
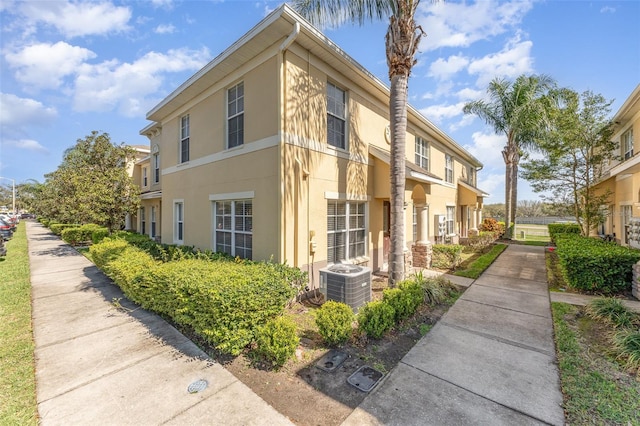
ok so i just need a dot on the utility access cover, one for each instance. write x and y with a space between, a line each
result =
332 360
365 378
198 386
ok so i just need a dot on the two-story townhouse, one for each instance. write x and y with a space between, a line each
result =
279 149
147 175
622 175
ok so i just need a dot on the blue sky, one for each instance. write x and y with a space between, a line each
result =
70 67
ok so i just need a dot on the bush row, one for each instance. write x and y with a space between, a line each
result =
83 234
446 256
225 302
562 228
594 265
335 320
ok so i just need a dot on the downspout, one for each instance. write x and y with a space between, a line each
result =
282 231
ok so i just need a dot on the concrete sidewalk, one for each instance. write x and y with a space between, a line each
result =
490 359
100 364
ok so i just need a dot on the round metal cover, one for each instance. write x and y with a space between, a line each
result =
344 268
198 386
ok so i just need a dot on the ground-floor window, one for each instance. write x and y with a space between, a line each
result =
451 217
143 221
234 228
346 230
178 222
153 222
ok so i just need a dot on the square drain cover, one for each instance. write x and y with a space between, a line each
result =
332 360
365 378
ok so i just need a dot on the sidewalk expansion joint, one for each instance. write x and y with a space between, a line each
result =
516 290
505 308
488 272
213 394
501 340
479 395
110 373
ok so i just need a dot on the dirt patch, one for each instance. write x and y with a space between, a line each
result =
307 394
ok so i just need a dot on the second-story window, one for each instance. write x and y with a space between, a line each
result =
422 153
235 115
472 176
448 168
336 116
627 144
156 168
145 180
184 139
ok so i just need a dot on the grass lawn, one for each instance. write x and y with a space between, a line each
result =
482 262
17 381
596 388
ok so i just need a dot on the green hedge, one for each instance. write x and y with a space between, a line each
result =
57 228
446 256
109 249
404 299
562 228
594 265
128 270
84 233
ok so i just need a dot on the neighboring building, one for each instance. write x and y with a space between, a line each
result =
622 176
279 149
147 175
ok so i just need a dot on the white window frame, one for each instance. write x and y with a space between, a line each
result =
351 246
235 114
336 111
178 221
153 230
422 153
448 168
145 177
451 220
156 168
230 218
185 132
627 144
414 223
143 222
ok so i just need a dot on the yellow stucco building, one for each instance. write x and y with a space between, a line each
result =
279 149
622 176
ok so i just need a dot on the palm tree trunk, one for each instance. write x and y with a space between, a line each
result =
398 115
511 158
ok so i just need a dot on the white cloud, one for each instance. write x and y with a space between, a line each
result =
20 113
75 19
26 144
443 69
468 94
167 4
452 24
493 183
515 59
437 113
165 29
487 147
44 65
608 9
127 86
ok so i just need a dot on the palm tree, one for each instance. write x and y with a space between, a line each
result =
402 38
517 109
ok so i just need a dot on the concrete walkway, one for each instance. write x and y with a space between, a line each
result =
489 360
103 365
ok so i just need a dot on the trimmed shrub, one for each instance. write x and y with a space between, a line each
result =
82 234
562 228
99 234
276 341
108 250
224 302
57 228
481 241
446 256
405 299
334 321
128 269
376 318
594 265
492 225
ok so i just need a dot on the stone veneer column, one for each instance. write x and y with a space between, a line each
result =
422 252
635 283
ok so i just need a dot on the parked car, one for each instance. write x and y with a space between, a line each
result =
27 216
11 220
3 248
6 230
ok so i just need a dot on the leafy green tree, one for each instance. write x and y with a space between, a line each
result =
518 110
92 185
576 149
401 41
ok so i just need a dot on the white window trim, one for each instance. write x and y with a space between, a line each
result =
142 219
154 221
422 157
446 168
345 118
145 177
365 256
233 232
453 221
237 114
156 167
175 221
627 144
182 138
